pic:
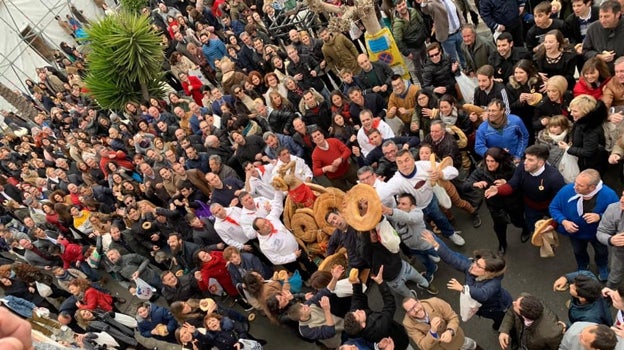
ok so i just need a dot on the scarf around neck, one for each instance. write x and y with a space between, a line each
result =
579 198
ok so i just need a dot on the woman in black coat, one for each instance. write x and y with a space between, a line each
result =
523 82
497 168
587 136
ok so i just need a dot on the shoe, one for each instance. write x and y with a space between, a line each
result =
469 344
603 273
568 303
457 239
476 220
434 258
431 289
429 279
502 249
414 294
525 236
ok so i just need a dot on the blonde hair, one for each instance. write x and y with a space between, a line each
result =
584 104
558 82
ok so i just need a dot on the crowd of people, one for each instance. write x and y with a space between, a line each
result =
176 199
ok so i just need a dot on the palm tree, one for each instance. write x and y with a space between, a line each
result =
133 6
24 108
124 61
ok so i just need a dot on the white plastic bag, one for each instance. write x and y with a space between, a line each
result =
442 196
43 290
126 320
143 289
467 85
468 307
388 236
249 344
568 167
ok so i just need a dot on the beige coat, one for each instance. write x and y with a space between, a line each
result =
419 331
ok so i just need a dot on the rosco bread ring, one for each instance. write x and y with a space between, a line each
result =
330 200
283 275
354 276
351 210
304 227
289 211
251 317
470 108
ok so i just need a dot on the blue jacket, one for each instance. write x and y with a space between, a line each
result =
598 311
489 292
513 137
158 315
284 141
561 209
505 12
214 50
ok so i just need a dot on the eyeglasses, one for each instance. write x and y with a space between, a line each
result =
238 92
432 55
413 308
387 153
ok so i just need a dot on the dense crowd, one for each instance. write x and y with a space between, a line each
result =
189 199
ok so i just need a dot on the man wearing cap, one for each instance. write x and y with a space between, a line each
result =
577 209
417 178
433 325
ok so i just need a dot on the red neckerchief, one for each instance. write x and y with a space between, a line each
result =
261 168
376 122
273 230
230 220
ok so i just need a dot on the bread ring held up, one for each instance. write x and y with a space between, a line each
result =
362 193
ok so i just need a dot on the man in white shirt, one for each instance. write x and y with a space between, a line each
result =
258 207
416 178
368 122
228 227
302 170
258 180
280 246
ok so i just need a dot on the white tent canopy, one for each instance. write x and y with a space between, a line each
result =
18 60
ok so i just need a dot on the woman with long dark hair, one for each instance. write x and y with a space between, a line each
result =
497 168
524 82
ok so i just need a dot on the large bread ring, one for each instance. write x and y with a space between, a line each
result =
470 108
351 210
338 258
332 199
535 99
304 227
289 211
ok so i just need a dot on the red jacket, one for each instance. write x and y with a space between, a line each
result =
196 92
95 299
321 158
119 157
71 254
581 88
216 269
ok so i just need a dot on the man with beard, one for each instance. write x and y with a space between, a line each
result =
182 252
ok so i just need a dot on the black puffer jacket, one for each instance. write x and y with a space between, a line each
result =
588 140
439 74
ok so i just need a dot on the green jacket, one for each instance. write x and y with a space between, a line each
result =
410 35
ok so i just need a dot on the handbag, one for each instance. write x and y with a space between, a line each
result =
568 166
43 290
468 307
442 196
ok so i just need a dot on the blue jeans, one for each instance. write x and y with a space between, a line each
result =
423 257
408 273
433 212
579 246
452 47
